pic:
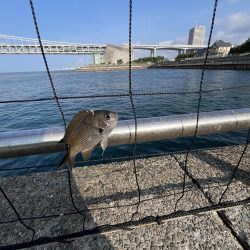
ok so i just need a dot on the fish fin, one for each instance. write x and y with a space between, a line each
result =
62 162
73 126
67 159
86 154
104 144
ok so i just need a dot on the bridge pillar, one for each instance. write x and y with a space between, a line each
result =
96 58
153 52
181 51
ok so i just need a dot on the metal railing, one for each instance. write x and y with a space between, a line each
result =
40 141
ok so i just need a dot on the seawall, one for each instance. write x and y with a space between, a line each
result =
220 63
110 68
107 196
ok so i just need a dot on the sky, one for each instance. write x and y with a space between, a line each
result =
102 22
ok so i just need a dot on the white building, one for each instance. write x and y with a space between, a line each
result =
197 35
220 48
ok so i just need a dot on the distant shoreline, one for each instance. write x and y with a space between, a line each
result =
101 68
217 63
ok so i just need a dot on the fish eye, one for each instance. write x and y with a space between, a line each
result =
107 116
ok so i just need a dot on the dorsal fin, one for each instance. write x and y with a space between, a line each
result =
74 124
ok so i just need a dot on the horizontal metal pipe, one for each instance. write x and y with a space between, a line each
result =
40 141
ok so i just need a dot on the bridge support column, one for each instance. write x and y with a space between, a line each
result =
96 58
181 51
153 52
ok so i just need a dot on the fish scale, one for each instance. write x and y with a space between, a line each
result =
85 131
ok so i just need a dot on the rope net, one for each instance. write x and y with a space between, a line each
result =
148 193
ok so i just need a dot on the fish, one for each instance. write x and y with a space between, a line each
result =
87 129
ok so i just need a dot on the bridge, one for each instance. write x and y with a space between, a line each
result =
22 45
181 48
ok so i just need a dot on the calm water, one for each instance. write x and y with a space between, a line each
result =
45 114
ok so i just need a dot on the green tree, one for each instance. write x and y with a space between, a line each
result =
240 49
184 56
157 59
119 61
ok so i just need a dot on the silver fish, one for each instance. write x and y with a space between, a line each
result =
87 129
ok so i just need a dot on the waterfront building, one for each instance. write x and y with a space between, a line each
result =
114 53
197 35
220 48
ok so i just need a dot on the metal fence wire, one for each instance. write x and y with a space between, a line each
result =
133 221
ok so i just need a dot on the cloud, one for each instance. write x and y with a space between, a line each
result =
239 22
234 28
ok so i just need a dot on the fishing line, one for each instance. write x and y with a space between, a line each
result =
56 98
234 88
133 108
118 158
199 103
17 214
92 209
237 166
46 64
158 197
147 220
130 94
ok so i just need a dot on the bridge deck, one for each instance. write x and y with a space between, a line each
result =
160 180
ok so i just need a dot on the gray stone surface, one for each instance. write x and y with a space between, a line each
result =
213 170
114 53
108 194
240 220
197 232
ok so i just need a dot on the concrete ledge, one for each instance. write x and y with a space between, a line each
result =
110 68
108 194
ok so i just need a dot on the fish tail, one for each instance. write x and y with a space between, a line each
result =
68 159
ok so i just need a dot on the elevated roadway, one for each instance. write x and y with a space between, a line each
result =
22 45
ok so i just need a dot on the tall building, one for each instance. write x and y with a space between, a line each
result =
197 35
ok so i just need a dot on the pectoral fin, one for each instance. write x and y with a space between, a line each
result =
104 144
86 154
